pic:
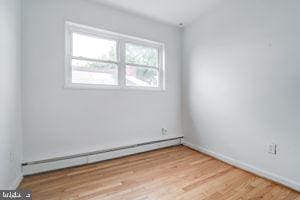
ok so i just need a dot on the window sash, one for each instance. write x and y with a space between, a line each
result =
94 60
147 46
99 62
95 36
145 67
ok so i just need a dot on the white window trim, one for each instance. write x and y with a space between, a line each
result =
121 39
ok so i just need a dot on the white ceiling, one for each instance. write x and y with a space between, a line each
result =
169 11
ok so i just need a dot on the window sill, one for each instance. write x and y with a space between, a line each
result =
74 86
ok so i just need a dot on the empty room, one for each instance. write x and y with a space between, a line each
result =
150 99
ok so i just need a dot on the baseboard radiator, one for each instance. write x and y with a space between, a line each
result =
96 156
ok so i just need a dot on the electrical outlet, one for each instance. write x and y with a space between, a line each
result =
272 148
164 131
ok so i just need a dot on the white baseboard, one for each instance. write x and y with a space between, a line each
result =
53 164
15 184
262 173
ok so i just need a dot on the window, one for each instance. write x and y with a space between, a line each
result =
102 59
94 60
142 66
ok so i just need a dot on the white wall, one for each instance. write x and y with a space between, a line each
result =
60 121
241 84
10 99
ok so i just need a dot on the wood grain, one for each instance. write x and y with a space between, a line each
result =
165 174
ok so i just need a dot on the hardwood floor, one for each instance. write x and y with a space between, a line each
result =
170 173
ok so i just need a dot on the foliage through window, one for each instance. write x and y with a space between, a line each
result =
102 59
141 65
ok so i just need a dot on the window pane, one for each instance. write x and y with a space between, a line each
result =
141 55
87 72
141 76
93 47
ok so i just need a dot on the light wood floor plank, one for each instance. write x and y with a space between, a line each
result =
177 173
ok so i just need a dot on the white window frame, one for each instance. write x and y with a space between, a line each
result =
121 40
